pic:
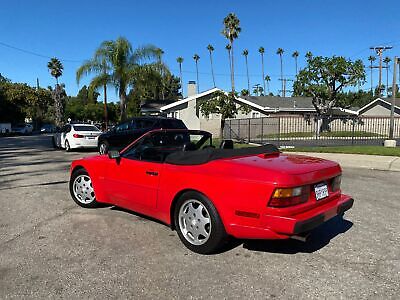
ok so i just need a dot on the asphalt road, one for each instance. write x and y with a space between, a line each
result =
51 248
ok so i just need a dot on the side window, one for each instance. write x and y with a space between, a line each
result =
148 149
68 128
122 127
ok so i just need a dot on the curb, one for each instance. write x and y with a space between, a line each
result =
370 162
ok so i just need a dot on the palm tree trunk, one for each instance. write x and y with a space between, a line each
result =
283 92
296 65
232 71
230 61
248 79
372 86
197 76
122 103
180 71
387 80
105 107
262 65
212 69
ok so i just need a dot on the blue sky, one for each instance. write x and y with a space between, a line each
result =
72 30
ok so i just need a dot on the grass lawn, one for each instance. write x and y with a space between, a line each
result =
288 135
370 150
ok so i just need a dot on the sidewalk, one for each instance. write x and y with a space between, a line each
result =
374 162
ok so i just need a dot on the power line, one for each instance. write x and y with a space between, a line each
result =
36 54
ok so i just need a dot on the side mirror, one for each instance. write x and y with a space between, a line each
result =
113 154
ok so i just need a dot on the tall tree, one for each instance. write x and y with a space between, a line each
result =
56 70
387 60
231 32
280 53
99 66
245 53
371 60
309 55
295 55
160 53
267 79
210 49
261 50
196 58
323 79
224 104
125 64
228 48
179 60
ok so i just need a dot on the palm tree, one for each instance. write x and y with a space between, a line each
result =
196 58
280 53
55 67
295 55
245 53
371 60
179 60
124 64
159 54
267 79
228 48
210 49
387 60
97 65
262 50
231 32
309 55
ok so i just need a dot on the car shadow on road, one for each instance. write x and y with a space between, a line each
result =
319 238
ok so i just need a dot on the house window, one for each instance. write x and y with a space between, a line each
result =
255 114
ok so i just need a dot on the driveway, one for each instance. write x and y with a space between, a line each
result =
50 247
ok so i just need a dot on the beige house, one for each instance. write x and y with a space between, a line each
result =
380 108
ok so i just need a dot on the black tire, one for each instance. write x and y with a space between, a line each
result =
90 203
217 235
67 146
104 146
53 142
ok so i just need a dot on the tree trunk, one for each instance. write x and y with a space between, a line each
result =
122 103
232 71
262 64
283 89
180 71
105 107
212 69
197 76
248 79
221 132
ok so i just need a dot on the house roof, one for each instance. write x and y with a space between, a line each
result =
386 102
281 102
177 103
154 105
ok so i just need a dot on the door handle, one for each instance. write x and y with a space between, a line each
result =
152 173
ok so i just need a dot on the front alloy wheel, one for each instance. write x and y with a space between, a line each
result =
103 148
81 189
67 146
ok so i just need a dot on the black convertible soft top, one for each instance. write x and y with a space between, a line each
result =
203 156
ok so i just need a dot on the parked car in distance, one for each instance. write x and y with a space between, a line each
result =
124 133
5 128
208 194
22 128
74 136
48 128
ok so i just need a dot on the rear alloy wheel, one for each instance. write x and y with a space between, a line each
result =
198 224
81 189
103 148
67 146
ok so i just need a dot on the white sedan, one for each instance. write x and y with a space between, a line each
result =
74 136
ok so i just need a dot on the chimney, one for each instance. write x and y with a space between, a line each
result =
191 89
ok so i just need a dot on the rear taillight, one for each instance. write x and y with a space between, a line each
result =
336 181
289 196
78 136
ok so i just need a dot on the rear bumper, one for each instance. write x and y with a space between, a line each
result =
83 143
283 227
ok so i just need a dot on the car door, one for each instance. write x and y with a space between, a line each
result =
132 181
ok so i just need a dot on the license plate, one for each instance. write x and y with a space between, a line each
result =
321 191
90 137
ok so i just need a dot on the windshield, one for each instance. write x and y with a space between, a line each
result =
85 128
158 145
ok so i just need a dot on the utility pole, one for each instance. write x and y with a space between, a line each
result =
284 90
379 51
393 99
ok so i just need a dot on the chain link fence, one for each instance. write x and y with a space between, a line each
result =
312 131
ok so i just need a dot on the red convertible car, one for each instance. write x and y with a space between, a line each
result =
208 194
